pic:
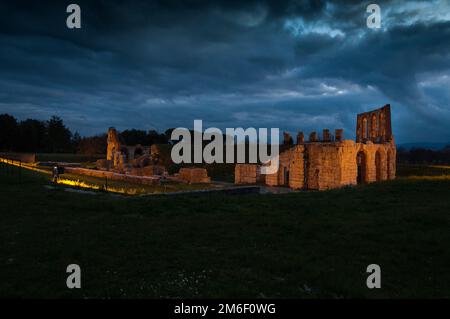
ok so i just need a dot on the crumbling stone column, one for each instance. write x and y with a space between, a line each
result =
326 137
313 137
113 143
338 134
287 139
300 138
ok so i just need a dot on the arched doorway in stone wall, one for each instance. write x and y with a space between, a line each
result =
390 164
378 166
361 161
286 177
283 176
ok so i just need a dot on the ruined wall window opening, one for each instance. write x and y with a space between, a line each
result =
364 129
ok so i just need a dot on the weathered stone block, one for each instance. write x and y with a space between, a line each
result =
194 175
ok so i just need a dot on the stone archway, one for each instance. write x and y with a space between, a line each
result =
283 176
378 166
390 164
286 177
361 162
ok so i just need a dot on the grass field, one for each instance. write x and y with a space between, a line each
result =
133 188
308 244
83 182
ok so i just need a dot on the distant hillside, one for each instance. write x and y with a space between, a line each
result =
426 145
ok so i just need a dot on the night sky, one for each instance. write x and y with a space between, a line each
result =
295 65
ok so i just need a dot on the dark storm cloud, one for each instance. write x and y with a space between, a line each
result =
289 64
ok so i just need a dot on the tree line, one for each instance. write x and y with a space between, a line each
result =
424 156
52 136
32 135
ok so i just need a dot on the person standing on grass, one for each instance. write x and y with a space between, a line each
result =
55 174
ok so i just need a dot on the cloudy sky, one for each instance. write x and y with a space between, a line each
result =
296 65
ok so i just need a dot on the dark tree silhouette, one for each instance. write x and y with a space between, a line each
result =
8 132
32 135
53 136
424 156
93 145
133 137
76 140
59 137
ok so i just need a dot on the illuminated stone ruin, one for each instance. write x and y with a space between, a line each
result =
330 161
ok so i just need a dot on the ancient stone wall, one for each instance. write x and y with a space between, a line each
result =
272 179
374 126
136 151
125 158
296 167
291 171
332 165
323 166
113 144
247 174
194 175
149 170
348 168
379 161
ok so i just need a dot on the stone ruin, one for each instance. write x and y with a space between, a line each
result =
147 161
193 175
137 160
330 161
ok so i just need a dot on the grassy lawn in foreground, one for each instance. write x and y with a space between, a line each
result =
307 244
138 189
130 188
